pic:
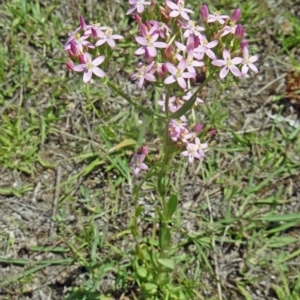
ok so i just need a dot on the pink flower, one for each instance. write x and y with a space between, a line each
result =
228 64
178 73
216 16
194 150
137 5
248 62
204 12
178 9
90 67
205 47
148 42
176 128
161 28
108 37
144 72
137 163
191 28
191 64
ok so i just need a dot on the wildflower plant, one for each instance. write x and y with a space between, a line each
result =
171 48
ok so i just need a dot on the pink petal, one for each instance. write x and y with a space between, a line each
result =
152 51
237 60
171 68
253 58
253 68
116 37
182 64
141 40
150 77
226 54
172 5
224 72
141 82
99 60
210 54
111 43
185 15
140 51
87 76
174 14
132 9
97 71
140 8
235 71
189 75
80 68
245 69
160 45
100 42
219 62
181 82
170 79
212 44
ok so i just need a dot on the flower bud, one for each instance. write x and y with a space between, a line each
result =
204 12
239 32
144 150
168 52
236 15
213 132
243 44
137 18
196 41
81 59
82 23
151 6
198 128
69 65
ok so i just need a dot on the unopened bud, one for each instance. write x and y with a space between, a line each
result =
198 128
204 12
239 32
236 15
81 59
138 18
243 44
69 65
82 23
144 150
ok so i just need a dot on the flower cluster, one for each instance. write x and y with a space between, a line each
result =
172 47
88 41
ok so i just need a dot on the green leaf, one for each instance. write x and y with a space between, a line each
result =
150 288
166 262
142 272
172 205
164 238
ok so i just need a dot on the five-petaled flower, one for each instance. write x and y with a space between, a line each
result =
137 163
137 5
144 72
89 67
148 41
228 64
248 62
194 150
179 9
178 73
108 37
